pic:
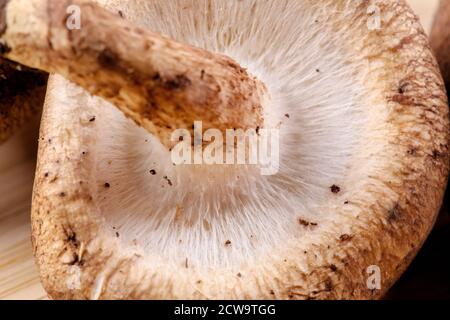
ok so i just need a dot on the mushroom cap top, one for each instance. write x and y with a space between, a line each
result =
364 132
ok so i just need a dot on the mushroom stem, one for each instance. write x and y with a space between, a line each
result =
161 84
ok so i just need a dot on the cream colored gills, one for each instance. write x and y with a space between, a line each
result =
206 207
147 229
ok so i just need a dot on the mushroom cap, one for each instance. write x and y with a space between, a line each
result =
22 93
363 165
22 90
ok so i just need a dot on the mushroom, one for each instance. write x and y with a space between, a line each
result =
363 121
22 92
440 42
440 39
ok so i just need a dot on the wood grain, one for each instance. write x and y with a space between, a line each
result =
18 274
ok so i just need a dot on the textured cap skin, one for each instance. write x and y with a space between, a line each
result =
440 39
384 221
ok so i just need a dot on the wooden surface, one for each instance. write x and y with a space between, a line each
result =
18 274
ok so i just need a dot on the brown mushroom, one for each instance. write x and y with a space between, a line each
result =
440 42
363 153
22 92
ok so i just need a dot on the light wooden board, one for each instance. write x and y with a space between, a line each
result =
18 274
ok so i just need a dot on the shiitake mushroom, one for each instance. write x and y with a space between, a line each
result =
363 151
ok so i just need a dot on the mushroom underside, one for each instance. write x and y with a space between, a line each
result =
22 93
362 167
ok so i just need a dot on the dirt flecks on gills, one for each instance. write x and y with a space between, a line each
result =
306 223
335 189
169 182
